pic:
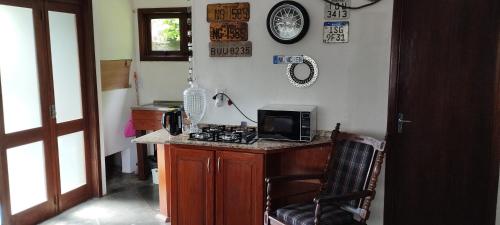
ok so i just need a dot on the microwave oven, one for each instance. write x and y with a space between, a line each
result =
287 122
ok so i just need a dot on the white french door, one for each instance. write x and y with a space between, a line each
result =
44 156
25 148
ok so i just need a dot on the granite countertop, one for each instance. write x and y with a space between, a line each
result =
164 106
152 107
163 137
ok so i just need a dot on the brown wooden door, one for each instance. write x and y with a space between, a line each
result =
192 187
28 184
239 188
64 27
442 168
45 129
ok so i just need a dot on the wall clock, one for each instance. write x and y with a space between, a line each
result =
287 22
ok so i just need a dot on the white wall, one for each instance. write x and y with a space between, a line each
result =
115 37
352 87
159 80
114 25
114 40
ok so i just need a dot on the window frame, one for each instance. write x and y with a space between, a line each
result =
144 21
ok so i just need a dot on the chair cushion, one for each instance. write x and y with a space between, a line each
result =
303 214
351 165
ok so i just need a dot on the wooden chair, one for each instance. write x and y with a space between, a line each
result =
347 185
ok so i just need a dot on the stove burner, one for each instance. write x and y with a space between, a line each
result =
230 134
202 136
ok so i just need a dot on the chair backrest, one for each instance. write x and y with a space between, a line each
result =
354 166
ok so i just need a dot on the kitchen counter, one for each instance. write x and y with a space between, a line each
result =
164 107
262 146
235 173
152 107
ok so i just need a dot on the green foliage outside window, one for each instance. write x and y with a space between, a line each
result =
172 32
165 34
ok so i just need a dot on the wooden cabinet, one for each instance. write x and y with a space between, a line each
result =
202 185
192 187
239 188
147 119
235 180
143 121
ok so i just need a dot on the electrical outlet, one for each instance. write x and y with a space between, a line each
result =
219 100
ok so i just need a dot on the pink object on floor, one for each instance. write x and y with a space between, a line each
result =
129 130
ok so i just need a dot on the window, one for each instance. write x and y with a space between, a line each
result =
163 34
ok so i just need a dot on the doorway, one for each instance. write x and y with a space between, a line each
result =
48 135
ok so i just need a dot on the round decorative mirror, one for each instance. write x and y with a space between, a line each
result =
309 79
287 22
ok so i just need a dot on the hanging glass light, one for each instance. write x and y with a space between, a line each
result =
195 97
195 103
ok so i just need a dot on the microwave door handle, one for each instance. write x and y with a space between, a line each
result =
163 120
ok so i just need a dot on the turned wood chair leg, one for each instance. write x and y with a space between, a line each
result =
268 203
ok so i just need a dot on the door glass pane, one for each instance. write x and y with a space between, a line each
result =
65 66
71 161
18 69
27 184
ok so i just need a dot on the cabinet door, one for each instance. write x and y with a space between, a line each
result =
192 187
240 188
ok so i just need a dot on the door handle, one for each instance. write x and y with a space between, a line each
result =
218 164
401 122
52 112
208 165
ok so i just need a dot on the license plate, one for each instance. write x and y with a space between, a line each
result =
334 12
230 48
336 32
228 31
228 12
284 59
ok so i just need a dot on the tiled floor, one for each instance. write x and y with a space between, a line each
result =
129 202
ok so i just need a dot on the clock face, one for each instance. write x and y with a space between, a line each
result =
287 22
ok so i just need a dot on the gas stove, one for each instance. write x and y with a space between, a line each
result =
227 134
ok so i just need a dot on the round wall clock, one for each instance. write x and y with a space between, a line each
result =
287 22
309 80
